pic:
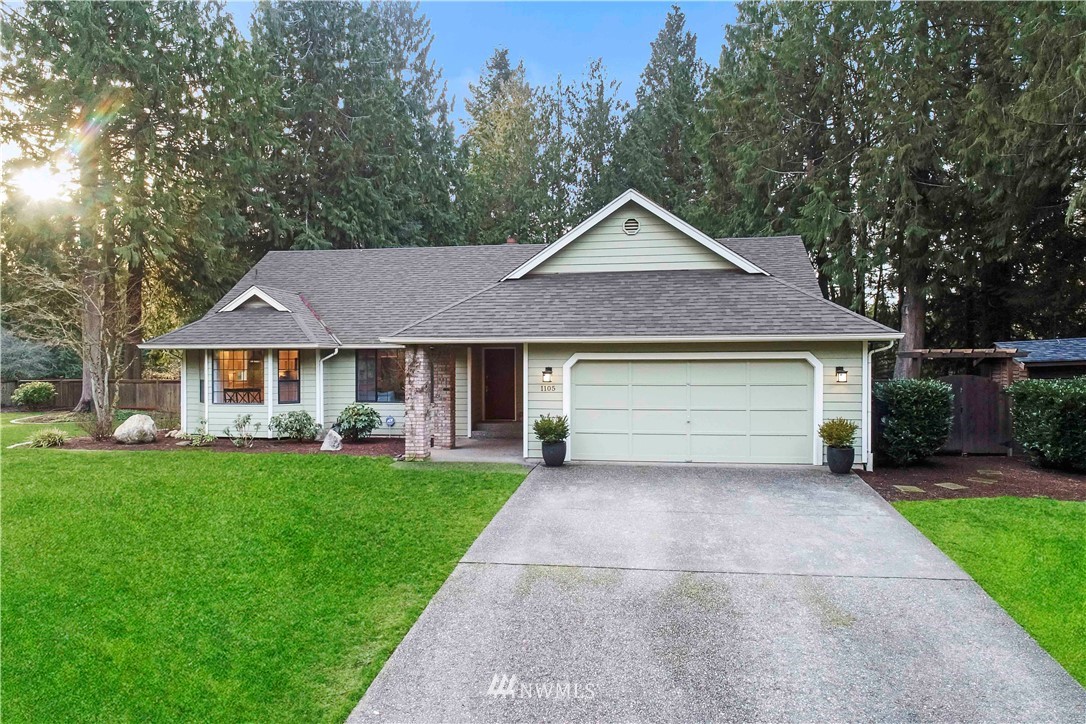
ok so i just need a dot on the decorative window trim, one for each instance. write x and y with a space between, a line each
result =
296 383
222 395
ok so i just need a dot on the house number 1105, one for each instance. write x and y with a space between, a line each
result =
548 388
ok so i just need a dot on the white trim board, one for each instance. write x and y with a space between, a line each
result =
816 364
647 340
632 196
248 294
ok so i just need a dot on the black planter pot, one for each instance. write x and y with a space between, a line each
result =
554 453
840 459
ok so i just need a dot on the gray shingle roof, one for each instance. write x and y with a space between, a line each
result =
693 303
784 257
250 327
1072 349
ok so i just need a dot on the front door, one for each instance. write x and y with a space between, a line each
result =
499 383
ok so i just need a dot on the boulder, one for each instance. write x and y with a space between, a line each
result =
135 430
332 441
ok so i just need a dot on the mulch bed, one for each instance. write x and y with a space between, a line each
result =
373 447
980 476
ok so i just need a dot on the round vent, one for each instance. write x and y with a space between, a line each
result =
631 226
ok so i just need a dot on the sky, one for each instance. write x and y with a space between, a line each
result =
553 37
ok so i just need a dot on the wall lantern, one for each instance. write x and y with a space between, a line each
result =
547 374
842 374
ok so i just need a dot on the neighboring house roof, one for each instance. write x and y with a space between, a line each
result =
762 288
784 257
1048 351
688 303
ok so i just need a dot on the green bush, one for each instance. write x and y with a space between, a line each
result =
916 421
296 425
49 437
838 432
34 394
1050 421
356 422
244 431
551 429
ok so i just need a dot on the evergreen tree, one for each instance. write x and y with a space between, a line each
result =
596 112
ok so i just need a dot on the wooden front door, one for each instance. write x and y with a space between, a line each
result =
499 383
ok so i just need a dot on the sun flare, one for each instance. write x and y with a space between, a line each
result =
43 183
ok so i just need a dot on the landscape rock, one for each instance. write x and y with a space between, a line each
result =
332 441
136 430
173 433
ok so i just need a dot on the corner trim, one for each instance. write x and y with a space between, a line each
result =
817 412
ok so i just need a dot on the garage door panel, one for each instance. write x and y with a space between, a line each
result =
665 421
599 446
657 373
693 410
602 420
783 397
603 373
600 397
659 447
718 373
719 448
783 422
724 397
719 421
780 448
771 372
658 397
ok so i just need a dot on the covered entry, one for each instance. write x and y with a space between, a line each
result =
695 408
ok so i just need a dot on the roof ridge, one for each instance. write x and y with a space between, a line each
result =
444 309
319 318
403 248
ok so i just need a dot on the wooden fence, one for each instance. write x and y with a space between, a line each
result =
161 395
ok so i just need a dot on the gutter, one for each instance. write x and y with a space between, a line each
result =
869 463
320 385
647 340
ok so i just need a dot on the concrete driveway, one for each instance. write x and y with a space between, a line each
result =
712 593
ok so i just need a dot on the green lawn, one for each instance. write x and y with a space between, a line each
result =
1029 554
215 586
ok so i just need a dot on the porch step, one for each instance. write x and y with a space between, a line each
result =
498 430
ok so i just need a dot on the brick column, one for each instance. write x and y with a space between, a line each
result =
416 422
443 410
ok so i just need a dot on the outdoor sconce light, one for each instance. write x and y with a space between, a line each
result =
842 374
547 372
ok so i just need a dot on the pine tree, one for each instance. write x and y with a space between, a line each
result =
595 123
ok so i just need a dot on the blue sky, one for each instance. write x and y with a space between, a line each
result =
554 37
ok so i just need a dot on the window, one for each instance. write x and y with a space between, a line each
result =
237 377
378 375
290 377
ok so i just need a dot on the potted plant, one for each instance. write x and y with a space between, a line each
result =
552 432
838 434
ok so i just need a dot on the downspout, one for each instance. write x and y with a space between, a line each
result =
320 385
870 462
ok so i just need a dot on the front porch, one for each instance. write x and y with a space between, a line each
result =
440 381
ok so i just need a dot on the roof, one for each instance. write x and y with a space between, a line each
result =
646 304
1049 351
781 256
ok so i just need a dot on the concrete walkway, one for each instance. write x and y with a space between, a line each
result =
687 593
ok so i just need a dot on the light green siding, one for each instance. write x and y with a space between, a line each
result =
462 425
658 246
339 391
194 408
839 399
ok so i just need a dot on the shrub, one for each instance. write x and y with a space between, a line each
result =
551 429
838 432
296 425
244 431
49 437
356 422
917 419
1050 421
34 394
198 439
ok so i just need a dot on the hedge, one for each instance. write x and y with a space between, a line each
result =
917 420
1050 421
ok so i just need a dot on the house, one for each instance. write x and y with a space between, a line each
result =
1046 358
658 342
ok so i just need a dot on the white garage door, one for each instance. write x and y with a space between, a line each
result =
741 411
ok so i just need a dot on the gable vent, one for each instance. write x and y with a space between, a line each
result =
631 227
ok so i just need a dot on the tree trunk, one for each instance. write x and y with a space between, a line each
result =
913 314
132 363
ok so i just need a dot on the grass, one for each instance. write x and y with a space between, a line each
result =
1029 554
158 586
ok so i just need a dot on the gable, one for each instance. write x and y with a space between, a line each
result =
656 245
